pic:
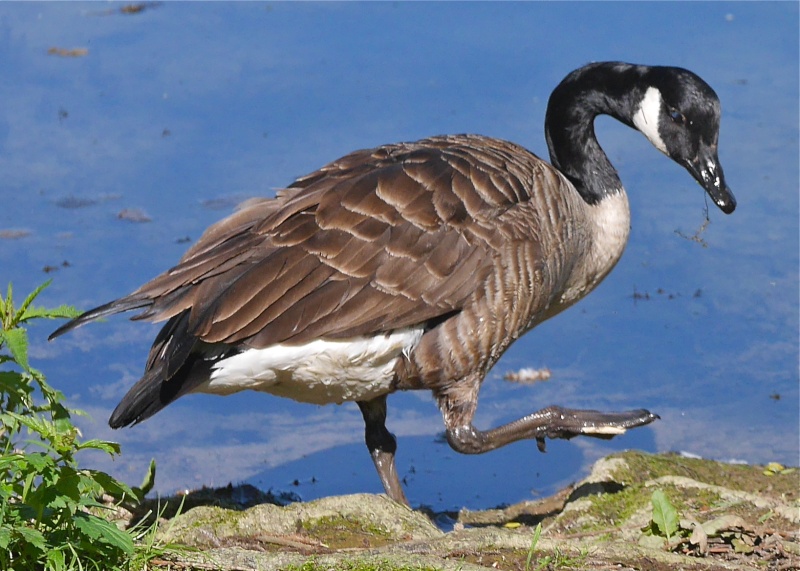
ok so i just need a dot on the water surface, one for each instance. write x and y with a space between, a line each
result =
140 130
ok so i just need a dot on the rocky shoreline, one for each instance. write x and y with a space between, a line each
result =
728 517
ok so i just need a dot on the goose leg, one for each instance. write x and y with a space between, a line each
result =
382 446
550 422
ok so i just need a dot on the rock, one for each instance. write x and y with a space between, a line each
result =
339 522
732 517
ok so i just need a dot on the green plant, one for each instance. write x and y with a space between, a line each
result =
665 516
537 533
50 516
148 543
557 560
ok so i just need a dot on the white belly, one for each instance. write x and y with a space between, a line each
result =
319 372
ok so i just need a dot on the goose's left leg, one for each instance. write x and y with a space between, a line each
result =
458 409
382 446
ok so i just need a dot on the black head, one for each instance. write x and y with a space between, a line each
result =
680 114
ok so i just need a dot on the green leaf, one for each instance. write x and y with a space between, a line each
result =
111 485
68 484
39 462
39 425
16 392
665 516
34 537
149 479
17 342
112 448
56 559
28 300
102 530
10 380
27 486
60 312
537 533
7 308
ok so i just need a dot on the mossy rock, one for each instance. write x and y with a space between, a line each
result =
750 512
339 522
739 517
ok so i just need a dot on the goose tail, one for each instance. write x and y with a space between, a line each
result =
111 308
176 365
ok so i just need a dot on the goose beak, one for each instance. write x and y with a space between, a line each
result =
706 170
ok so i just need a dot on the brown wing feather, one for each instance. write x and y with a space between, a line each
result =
379 240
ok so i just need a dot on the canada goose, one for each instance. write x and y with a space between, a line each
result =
416 265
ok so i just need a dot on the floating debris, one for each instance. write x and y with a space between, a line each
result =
49 269
645 295
130 9
75 202
134 215
698 234
68 52
662 291
528 375
71 201
11 234
138 8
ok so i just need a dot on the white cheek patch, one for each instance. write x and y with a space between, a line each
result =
646 118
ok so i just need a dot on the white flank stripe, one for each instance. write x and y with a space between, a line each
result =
646 118
319 372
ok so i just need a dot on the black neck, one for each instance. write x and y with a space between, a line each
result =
605 88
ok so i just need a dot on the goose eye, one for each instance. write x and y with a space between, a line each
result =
677 116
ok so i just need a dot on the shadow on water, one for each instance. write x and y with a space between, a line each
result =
443 480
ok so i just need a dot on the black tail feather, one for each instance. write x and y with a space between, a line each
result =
153 391
117 306
175 366
142 401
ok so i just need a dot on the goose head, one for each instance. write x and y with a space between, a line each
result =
680 114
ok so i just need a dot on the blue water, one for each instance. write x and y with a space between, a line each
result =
182 110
